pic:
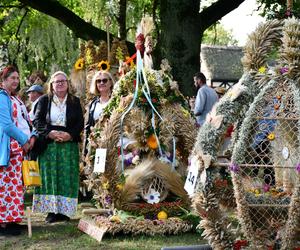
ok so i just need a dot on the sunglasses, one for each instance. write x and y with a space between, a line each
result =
104 80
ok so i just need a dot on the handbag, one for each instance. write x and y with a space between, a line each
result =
31 173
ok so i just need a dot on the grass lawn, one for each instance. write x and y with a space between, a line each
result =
65 235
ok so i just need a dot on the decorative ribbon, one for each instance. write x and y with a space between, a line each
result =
141 75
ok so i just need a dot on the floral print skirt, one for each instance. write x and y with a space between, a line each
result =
59 169
12 190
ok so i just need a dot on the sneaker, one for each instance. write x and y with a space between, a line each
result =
10 230
62 217
51 217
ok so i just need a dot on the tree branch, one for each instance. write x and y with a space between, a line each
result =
216 11
81 28
17 32
20 6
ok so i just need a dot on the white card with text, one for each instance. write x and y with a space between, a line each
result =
100 159
191 178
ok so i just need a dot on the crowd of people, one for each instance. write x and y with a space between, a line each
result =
49 130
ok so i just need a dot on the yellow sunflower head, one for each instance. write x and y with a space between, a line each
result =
79 64
271 136
103 65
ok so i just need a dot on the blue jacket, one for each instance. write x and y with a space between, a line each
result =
8 129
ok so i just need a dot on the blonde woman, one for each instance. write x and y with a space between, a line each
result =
101 86
59 119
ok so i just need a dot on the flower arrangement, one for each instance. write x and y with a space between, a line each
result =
79 65
103 66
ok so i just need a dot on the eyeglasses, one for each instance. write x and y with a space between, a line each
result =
60 82
104 80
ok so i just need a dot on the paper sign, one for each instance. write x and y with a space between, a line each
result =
100 158
191 178
90 228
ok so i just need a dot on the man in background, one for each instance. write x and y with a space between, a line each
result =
205 99
34 93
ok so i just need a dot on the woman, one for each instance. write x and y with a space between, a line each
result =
59 118
101 86
13 143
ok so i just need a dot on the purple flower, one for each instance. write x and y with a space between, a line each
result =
108 199
266 188
128 161
234 167
284 70
298 168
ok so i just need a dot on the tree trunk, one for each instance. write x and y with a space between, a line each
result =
122 19
181 39
182 28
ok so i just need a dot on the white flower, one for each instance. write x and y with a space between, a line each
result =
173 85
135 159
152 196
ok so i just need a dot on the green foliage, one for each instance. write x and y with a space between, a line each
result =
37 41
278 9
217 35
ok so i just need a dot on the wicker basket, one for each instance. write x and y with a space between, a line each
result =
158 185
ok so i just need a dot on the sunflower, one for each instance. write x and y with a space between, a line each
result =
152 142
271 136
79 64
103 65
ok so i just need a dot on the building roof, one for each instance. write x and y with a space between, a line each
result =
221 63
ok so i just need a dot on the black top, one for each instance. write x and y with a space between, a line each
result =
74 117
90 122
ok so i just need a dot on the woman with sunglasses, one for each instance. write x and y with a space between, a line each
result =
101 86
59 119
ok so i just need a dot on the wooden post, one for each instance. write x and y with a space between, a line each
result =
107 22
28 212
289 5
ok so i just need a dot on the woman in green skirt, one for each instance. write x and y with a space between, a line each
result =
59 121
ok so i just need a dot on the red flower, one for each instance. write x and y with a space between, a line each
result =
14 181
6 179
15 213
19 188
10 188
17 201
9 218
13 161
14 145
2 209
12 207
2 189
11 174
13 194
21 207
18 168
18 220
8 169
8 199
239 244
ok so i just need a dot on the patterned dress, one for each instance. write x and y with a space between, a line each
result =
59 168
11 183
